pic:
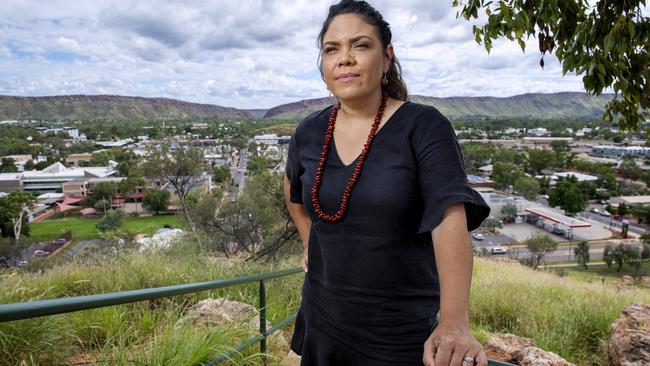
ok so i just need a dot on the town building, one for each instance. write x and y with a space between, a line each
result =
620 151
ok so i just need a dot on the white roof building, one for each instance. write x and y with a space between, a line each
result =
51 178
580 176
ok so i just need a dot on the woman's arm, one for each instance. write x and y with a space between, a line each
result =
451 341
300 218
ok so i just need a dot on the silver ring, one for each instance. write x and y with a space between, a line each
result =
468 360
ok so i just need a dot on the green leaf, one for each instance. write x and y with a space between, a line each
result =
522 44
504 9
630 27
609 43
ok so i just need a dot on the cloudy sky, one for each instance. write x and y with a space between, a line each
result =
243 53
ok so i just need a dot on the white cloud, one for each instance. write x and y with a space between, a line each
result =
246 53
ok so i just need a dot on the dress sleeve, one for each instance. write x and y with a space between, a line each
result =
293 169
441 173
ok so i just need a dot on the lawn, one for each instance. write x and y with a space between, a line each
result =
602 272
85 228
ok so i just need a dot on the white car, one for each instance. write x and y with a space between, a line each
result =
498 250
605 213
41 253
477 236
595 210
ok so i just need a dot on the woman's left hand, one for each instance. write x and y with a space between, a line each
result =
450 345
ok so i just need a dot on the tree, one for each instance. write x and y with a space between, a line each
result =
568 195
221 174
538 246
607 42
629 168
608 255
104 190
128 186
112 221
13 210
257 164
540 159
183 167
258 222
8 166
622 209
509 210
581 252
645 253
527 187
476 155
619 255
156 200
641 212
505 174
102 205
562 152
492 223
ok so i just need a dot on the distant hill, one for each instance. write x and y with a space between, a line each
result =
568 105
257 113
108 107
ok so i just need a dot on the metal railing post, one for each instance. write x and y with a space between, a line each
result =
263 321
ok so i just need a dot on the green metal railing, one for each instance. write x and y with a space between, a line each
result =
34 309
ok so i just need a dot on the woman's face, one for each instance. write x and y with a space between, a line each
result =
353 61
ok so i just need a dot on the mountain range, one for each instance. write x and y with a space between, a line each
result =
565 105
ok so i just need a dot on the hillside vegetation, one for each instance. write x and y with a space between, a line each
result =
564 315
108 107
568 105
527 106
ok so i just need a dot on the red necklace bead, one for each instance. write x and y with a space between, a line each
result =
343 205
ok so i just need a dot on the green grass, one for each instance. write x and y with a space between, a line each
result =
85 228
602 272
566 315
140 333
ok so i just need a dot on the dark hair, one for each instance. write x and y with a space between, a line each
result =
396 88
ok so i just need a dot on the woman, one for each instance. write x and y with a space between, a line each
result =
378 191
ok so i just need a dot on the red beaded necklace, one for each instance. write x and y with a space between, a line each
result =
357 169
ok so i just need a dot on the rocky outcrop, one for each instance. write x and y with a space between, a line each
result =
243 317
629 342
521 351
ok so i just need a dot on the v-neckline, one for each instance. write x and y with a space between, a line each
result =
354 162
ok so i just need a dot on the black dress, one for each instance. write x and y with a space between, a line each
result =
371 293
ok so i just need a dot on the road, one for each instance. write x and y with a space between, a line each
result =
614 223
563 252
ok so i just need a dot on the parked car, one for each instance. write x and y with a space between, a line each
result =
21 264
498 250
617 217
477 236
595 210
605 213
41 253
